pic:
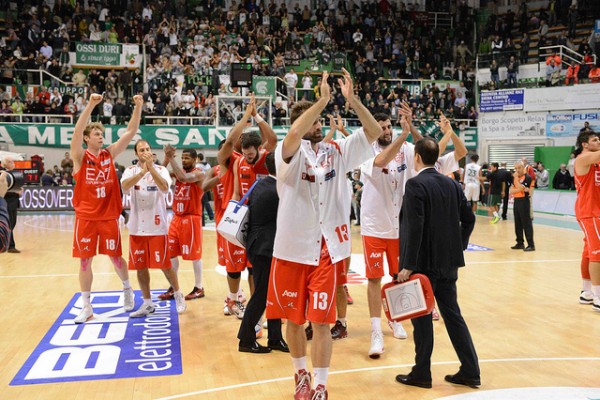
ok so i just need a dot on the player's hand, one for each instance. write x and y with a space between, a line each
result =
445 125
96 98
138 99
405 126
325 89
169 151
347 86
406 112
3 183
340 123
404 275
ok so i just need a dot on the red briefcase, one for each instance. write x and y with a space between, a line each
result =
411 299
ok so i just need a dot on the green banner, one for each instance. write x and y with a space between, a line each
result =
264 86
180 136
100 54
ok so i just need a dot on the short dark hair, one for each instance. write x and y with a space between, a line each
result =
201 156
428 149
475 158
251 139
270 163
138 142
582 138
495 165
381 117
191 152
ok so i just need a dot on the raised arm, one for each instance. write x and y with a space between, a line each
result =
585 160
267 134
406 112
332 129
132 127
370 125
77 139
236 181
291 142
460 150
390 152
234 136
341 127
180 174
210 180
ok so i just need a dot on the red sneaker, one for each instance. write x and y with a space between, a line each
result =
196 293
318 393
168 295
302 380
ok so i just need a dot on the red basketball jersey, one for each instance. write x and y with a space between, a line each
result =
249 173
218 193
188 197
588 193
97 194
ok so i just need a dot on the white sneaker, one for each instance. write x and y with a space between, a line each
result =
236 308
265 324
376 349
398 329
142 311
225 308
180 303
241 297
85 315
128 299
586 297
596 304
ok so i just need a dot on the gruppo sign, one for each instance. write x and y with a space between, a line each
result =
110 345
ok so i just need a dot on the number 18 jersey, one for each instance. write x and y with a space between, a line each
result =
97 194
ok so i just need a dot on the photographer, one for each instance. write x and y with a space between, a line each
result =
12 201
4 221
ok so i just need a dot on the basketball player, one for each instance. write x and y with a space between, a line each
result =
587 211
472 178
97 200
148 185
313 230
212 181
185 231
238 174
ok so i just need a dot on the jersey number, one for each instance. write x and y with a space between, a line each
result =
180 207
342 232
110 244
320 300
100 192
157 220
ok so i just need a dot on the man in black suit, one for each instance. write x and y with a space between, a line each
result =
262 224
505 176
435 225
4 220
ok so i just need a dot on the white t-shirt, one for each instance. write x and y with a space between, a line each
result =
314 201
148 215
291 79
472 174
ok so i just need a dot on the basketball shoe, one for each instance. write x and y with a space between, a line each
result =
180 302
196 293
168 295
302 380
318 393
339 331
236 308
142 311
586 297
376 349
398 329
85 315
128 299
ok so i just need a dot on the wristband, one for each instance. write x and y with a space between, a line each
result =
258 119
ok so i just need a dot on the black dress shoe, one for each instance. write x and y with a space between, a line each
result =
518 246
280 345
458 379
14 251
529 248
254 348
409 380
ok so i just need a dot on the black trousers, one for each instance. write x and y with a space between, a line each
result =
12 203
206 207
261 269
521 209
445 294
505 203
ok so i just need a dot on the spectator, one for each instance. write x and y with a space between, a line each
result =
572 73
512 68
552 74
543 178
291 80
495 75
554 56
562 179
48 179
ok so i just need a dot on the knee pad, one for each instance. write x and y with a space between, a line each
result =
234 275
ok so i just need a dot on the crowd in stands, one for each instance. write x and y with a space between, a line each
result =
381 39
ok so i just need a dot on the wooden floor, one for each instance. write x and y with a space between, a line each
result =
522 309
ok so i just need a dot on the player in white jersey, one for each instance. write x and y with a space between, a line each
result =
472 180
384 177
148 185
313 229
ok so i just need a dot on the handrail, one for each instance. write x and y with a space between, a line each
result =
37 118
563 50
41 73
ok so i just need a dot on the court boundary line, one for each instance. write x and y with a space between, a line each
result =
383 367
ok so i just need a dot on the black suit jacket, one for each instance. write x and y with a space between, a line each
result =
435 225
262 217
4 226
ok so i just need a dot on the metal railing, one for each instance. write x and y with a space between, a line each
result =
37 118
564 53
36 77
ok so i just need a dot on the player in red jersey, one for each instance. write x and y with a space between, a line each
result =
97 200
185 231
235 257
212 181
587 211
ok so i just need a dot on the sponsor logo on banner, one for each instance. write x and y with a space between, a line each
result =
569 124
109 346
501 100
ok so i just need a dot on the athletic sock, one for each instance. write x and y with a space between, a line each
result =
85 297
586 285
321 375
342 320
376 324
197 265
299 363
126 284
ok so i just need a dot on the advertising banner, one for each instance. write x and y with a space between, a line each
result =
569 124
512 124
577 97
501 100
100 54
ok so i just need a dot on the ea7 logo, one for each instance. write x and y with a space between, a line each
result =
289 294
375 255
183 191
